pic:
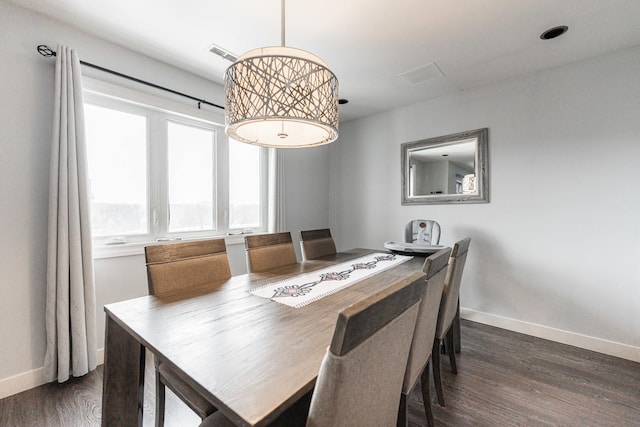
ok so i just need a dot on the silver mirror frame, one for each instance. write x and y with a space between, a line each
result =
481 168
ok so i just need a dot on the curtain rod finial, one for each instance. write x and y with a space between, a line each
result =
45 50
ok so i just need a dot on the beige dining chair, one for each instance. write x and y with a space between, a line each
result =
316 243
267 251
176 267
435 268
363 368
425 231
447 313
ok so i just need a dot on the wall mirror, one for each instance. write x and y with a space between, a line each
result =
446 169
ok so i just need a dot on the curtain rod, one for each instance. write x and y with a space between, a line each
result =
46 51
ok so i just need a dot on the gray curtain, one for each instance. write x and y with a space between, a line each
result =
276 191
71 306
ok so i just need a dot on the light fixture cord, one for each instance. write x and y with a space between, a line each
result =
282 24
282 133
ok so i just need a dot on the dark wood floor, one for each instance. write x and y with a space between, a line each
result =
504 379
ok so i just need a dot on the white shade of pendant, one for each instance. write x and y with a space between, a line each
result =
281 97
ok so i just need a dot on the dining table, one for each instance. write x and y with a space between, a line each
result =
250 356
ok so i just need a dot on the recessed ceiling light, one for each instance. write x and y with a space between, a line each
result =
554 32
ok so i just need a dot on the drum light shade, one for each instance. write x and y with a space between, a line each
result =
281 97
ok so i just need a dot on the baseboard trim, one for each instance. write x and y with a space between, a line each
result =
599 345
30 379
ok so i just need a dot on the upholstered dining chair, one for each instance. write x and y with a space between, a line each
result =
425 231
267 251
316 243
435 267
176 267
363 368
447 313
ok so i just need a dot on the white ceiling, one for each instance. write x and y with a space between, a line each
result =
366 43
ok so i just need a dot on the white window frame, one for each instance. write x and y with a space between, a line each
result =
159 112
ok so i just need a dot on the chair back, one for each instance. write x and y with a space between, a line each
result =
267 251
175 266
316 243
361 374
451 293
423 231
435 267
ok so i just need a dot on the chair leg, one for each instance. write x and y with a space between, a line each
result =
426 396
160 398
437 380
451 351
403 419
456 330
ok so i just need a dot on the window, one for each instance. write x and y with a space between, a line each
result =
117 158
191 160
156 174
244 186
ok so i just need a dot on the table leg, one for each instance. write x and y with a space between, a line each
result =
123 381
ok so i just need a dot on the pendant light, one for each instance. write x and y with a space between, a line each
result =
281 97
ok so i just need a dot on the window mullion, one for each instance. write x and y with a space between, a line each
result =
221 177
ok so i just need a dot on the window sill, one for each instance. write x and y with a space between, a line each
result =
101 251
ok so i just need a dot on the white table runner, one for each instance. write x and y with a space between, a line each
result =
306 288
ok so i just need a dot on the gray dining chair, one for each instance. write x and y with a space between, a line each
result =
447 313
267 251
363 368
316 243
425 231
435 268
171 269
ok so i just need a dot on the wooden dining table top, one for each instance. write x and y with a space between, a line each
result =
250 356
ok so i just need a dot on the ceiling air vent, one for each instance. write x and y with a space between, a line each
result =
422 74
223 53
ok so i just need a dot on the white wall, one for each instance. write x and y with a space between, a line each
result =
307 190
26 80
556 253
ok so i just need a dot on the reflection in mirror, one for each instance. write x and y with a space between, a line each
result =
446 169
441 170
